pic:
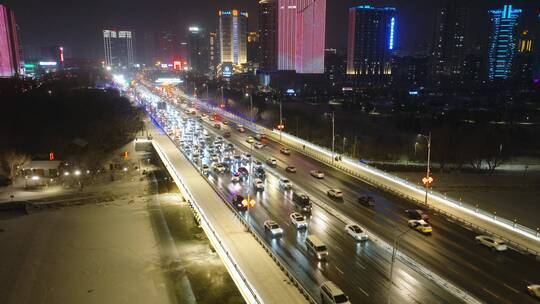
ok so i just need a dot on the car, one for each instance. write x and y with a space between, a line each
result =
534 290
258 184
240 126
260 173
285 151
250 140
237 158
291 169
366 200
258 164
237 203
273 228
272 162
214 157
258 145
317 174
225 122
235 178
243 171
420 225
417 214
335 193
298 220
302 202
217 126
356 232
227 134
205 169
220 168
330 293
285 183
491 242
241 130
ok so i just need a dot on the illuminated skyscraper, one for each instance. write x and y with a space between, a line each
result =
448 52
9 43
268 35
372 40
214 52
503 42
301 35
233 38
118 48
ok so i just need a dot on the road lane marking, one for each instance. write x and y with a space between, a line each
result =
367 294
339 270
361 266
513 289
491 293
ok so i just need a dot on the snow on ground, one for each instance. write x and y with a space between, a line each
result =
121 241
512 195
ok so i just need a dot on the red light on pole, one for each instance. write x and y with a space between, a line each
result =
222 106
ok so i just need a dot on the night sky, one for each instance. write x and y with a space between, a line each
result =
77 24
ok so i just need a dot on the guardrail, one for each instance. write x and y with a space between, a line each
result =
280 263
325 156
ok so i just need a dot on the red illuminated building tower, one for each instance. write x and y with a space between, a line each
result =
9 43
301 35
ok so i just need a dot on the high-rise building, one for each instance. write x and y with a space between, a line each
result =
167 46
536 73
233 40
253 47
503 42
372 40
335 66
268 22
451 28
523 67
214 52
118 48
9 43
301 35
198 50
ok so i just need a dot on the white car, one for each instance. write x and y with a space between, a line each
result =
356 232
214 157
285 151
285 183
250 140
219 168
235 178
273 228
271 162
258 145
491 242
298 220
205 169
317 173
335 193
258 184
534 290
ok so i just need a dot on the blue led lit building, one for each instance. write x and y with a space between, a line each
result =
503 42
371 41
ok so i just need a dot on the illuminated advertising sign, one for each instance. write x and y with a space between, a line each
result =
227 70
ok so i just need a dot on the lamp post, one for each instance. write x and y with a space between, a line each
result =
333 116
280 126
428 179
397 239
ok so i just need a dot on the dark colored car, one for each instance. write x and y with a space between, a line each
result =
237 203
366 200
243 171
417 214
227 134
302 202
260 173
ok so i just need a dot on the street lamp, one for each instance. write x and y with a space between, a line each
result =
397 239
333 116
250 106
281 126
427 180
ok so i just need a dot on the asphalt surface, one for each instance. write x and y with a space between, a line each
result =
362 269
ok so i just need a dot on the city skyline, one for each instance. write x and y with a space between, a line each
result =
179 16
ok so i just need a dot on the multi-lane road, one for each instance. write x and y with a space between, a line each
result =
362 269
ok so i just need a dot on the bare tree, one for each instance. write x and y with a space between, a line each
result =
11 160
